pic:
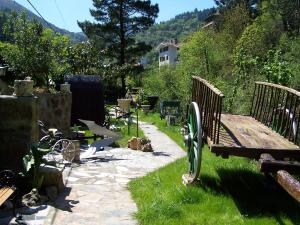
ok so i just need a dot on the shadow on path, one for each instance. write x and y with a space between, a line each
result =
64 204
161 154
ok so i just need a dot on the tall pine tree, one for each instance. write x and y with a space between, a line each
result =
117 22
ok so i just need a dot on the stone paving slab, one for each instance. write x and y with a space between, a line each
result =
99 189
96 191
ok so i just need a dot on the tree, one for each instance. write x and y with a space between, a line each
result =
117 21
235 20
32 50
250 5
276 69
290 11
83 58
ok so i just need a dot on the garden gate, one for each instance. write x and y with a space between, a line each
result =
87 98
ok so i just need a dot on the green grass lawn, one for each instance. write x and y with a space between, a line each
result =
231 191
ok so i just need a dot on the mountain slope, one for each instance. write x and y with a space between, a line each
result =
10 5
177 28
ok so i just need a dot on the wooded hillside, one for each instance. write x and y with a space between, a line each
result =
250 41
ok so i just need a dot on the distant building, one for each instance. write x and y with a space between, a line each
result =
168 53
210 21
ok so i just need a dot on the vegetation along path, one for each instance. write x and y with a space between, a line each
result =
97 191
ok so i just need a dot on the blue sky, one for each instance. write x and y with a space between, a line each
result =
65 13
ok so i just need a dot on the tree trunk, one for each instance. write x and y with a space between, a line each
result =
123 46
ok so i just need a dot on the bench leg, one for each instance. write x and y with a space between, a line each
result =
14 206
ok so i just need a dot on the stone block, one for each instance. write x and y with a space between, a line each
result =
23 88
53 176
65 88
51 192
140 144
135 144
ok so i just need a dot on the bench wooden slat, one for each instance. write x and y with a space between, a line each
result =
98 130
5 193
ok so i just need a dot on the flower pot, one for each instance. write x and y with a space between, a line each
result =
65 88
152 101
23 88
124 105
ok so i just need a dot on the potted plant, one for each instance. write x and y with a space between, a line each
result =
32 163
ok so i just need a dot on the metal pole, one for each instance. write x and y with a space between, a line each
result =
137 122
129 125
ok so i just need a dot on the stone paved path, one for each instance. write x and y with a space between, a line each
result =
97 191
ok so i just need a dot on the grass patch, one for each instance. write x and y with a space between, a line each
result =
230 192
89 133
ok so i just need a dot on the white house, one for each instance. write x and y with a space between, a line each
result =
168 53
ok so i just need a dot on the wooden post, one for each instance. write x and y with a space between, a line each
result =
283 178
289 183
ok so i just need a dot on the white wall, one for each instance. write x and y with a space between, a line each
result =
170 56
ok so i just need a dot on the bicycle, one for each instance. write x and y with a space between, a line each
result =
61 149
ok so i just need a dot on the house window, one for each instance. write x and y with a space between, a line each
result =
161 59
164 49
167 57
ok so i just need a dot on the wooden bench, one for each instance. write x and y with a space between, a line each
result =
6 193
7 188
169 108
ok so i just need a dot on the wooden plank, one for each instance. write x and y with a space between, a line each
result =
289 183
252 134
210 86
280 87
5 193
268 164
255 153
2 191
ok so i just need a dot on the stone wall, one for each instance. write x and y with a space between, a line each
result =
55 110
18 128
18 123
